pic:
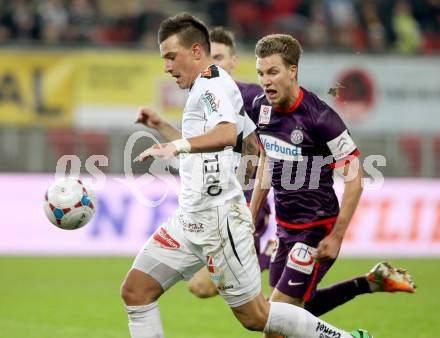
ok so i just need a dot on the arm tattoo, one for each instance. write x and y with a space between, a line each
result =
250 148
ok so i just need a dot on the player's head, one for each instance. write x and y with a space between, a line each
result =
184 46
277 66
223 49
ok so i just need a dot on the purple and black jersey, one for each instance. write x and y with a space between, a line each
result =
303 144
248 92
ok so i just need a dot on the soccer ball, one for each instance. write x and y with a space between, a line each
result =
69 204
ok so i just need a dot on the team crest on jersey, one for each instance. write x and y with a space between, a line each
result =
300 258
265 112
297 136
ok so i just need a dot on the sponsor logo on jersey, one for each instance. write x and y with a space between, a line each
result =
193 227
165 240
211 170
226 287
210 102
265 112
341 146
280 149
297 136
300 258
290 283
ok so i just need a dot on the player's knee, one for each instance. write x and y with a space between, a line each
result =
202 290
255 320
134 296
129 294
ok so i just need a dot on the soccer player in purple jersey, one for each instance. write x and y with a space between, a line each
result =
223 52
303 141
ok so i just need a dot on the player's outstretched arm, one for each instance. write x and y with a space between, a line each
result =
352 173
151 119
218 138
262 186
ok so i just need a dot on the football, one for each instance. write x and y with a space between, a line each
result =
69 204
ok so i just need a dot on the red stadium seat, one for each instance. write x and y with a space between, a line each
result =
95 143
63 141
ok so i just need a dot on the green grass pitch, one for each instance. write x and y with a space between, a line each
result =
79 298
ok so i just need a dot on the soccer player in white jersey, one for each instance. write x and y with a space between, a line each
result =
212 227
224 55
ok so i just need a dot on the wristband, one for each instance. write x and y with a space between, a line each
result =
182 145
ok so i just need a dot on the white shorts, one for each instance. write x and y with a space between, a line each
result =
220 238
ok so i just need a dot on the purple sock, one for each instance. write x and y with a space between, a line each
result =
328 298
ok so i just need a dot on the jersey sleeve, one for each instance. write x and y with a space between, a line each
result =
336 138
254 116
248 126
216 106
249 92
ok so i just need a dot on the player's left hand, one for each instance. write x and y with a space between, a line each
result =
164 151
327 249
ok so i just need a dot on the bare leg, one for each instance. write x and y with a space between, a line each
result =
140 292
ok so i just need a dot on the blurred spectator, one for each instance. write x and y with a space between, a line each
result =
316 31
116 31
408 37
246 20
218 12
54 21
286 16
148 23
343 24
375 32
82 20
404 26
427 14
18 22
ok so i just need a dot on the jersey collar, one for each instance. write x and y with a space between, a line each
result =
294 105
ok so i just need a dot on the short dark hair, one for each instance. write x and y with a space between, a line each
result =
283 44
189 29
223 36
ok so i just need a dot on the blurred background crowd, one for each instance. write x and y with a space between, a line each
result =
74 72
376 26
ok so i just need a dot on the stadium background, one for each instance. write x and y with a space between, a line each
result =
72 74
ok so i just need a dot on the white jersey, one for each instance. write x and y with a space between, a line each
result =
208 179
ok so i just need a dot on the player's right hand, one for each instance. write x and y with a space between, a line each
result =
148 117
